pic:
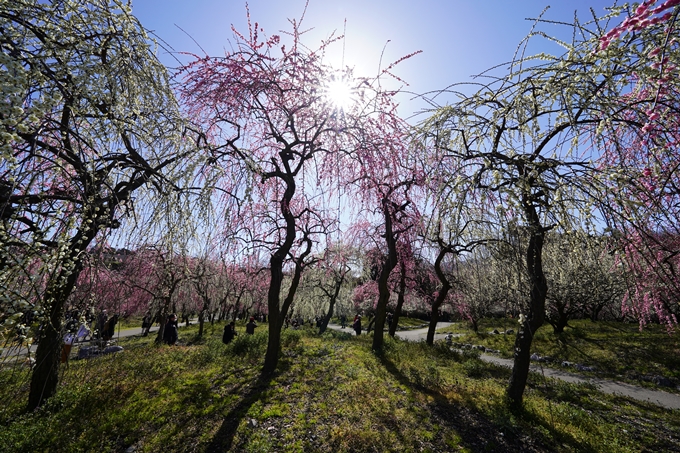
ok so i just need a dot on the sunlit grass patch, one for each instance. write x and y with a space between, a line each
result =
615 350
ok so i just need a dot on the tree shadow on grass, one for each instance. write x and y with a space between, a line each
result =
222 440
477 431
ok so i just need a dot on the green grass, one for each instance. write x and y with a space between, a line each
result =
618 350
405 323
411 323
330 393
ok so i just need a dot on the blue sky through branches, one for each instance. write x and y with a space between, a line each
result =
458 38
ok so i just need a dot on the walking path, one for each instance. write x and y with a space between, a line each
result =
14 352
659 397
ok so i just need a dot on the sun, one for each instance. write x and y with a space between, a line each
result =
339 92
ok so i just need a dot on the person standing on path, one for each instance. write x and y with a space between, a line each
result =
250 327
146 324
357 324
110 328
101 320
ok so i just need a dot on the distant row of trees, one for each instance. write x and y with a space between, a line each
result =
550 188
586 277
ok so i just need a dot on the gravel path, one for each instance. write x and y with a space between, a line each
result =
659 397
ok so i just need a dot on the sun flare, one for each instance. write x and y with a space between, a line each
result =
339 93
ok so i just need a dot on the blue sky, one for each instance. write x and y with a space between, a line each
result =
457 38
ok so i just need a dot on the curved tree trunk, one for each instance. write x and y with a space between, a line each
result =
536 316
326 319
45 375
277 313
383 289
443 292
334 297
434 317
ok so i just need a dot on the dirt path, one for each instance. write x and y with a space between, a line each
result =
659 397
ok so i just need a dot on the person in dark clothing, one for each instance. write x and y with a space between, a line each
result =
343 321
229 333
357 325
146 324
250 327
101 321
170 333
109 329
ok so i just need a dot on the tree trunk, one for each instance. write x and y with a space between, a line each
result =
595 312
164 310
162 320
536 315
371 324
326 319
278 314
201 321
443 292
45 375
271 358
383 289
381 309
561 322
434 319
400 301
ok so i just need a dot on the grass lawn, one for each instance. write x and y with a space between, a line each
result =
330 394
618 351
411 323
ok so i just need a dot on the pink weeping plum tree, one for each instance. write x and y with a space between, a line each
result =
277 140
640 159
